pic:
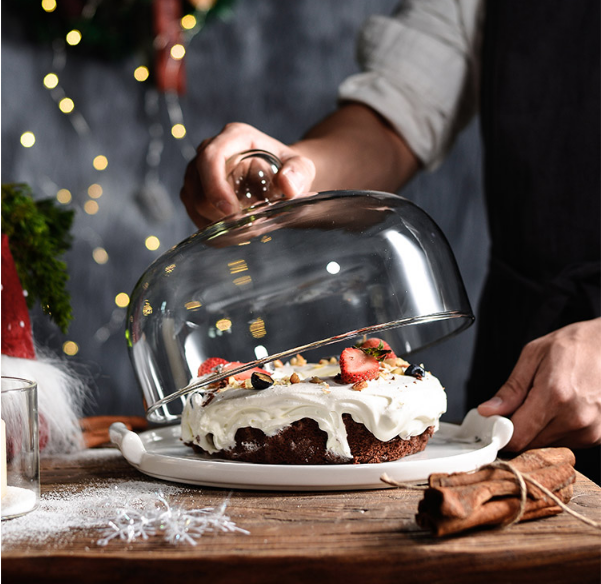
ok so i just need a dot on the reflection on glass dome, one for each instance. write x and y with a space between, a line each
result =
289 276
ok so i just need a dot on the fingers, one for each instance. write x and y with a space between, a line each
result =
520 399
207 194
200 211
514 391
552 395
296 176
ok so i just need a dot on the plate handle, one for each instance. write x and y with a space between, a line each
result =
128 442
493 428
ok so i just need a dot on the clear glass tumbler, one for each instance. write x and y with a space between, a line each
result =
20 458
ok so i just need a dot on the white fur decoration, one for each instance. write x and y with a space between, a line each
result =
61 395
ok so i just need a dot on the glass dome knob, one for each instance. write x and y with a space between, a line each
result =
251 175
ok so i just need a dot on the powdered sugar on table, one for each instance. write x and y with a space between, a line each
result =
113 508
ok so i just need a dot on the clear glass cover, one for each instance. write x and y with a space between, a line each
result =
292 276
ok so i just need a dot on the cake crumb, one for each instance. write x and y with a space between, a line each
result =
360 385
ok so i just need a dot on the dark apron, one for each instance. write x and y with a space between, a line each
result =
541 130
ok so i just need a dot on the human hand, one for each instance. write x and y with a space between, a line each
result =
554 392
206 193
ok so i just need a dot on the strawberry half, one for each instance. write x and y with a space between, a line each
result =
245 374
378 345
210 365
355 365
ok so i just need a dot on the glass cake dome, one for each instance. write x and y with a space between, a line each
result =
309 275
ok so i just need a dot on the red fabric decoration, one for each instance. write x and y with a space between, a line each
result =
169 72
17 339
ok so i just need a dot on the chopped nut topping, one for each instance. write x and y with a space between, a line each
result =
316 380
398 371
294 378
277 363
398 362
360 385
299 360
333 360
248 383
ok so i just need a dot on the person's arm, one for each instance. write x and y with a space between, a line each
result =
417 90
353 148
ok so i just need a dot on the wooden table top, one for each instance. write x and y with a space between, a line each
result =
355 536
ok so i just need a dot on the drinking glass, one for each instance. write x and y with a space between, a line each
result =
19 459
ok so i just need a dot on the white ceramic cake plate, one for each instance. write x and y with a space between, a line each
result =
160 453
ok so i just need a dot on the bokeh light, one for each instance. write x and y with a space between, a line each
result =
100 255
91 207
49 5
64 196
73 37
141 73
51 80
70 348
95 191
188 22
122 300
27 139
66 105
177 52
100 162
178 131
152 242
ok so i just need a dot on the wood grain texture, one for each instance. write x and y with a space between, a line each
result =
354 536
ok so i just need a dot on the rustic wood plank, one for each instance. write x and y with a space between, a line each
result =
300 537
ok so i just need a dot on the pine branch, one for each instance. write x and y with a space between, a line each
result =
38 234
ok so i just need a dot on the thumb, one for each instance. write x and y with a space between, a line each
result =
513 392
296 176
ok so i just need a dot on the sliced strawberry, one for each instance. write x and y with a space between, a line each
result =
379 345
209 366
355 365
245 374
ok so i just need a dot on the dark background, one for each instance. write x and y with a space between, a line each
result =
272 64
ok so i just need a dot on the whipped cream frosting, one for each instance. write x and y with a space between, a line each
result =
392 405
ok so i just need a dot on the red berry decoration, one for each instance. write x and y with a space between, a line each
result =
356 365
210 365
378 345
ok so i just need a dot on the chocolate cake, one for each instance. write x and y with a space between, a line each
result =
368 407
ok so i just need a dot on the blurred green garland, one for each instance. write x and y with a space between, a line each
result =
38 234
111 29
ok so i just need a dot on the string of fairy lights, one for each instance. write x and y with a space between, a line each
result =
190 24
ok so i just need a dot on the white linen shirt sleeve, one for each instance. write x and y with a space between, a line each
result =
421 72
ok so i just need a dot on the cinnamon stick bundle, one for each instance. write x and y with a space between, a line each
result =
492 495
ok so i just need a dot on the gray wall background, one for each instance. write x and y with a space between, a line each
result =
272 64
